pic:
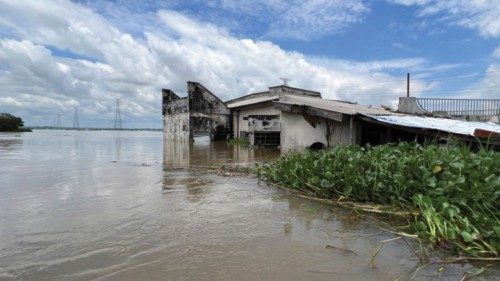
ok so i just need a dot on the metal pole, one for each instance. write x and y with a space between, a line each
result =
407 85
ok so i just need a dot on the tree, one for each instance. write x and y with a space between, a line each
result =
10 123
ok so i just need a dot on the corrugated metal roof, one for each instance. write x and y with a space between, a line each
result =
251 101
335 106
441 124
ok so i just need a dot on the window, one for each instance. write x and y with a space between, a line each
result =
267 138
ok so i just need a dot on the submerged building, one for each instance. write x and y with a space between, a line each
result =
292 118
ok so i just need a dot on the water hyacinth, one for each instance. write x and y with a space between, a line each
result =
455 191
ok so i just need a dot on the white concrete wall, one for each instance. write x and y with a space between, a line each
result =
176 126
297 133
263 110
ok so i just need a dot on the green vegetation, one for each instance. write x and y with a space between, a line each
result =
454 193
11 123
239 142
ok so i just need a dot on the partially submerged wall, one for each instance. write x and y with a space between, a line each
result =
208 114
201 112
175 116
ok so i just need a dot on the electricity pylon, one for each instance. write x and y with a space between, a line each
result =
118 116
76 123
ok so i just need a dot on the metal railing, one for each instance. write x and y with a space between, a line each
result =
461 107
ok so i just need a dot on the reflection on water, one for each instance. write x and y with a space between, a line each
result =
202 152
112 206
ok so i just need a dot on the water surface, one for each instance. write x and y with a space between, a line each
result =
107 205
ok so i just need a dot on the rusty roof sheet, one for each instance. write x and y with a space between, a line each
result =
335 106
442 124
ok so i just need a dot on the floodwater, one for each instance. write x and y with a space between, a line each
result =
77 205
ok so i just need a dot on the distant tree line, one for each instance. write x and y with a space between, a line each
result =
11 123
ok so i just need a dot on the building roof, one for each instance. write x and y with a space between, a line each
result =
251 100
441 124
274 93
332 105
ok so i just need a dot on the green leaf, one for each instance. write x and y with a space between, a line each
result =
431 182
466 236
325 183
457 165
451 234
347 190
437 169
452 211
496 228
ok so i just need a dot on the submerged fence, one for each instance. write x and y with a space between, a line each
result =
461 107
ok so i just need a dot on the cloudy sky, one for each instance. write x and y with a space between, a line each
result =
59 55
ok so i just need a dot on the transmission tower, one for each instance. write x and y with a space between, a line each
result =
76 123
118 116
59 121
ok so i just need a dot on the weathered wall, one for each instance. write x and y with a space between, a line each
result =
175 116
208 114
176 127
302 130
241 115
264 123
199 112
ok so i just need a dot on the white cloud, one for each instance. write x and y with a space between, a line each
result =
291 19
481 15
312 19
38 84
496 53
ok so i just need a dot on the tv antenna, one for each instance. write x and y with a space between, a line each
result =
76 123
285 81
118 116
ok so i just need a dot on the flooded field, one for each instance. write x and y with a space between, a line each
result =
107 205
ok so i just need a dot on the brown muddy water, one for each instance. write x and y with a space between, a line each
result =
78 205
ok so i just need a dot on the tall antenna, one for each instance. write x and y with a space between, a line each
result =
285 81
59 121
76 123
118 116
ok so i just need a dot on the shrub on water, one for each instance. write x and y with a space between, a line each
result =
456 191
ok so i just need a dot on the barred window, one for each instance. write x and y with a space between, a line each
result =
267 138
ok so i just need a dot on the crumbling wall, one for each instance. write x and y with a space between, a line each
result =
201 112
175 116
208 114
